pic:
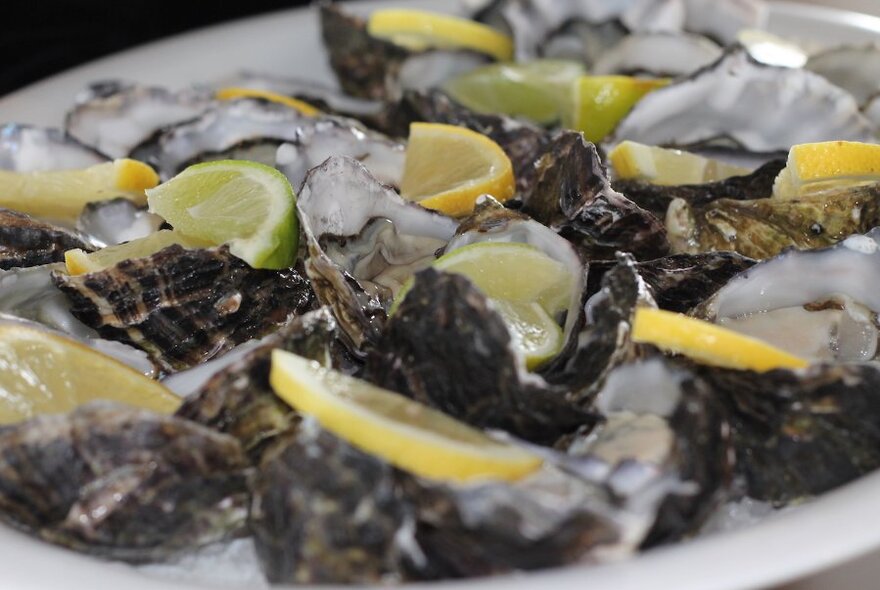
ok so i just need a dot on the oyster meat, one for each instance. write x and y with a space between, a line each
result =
24 148
122 483
183 307
105 223
657 54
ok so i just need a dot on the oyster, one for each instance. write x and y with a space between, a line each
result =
105 223
25 241
571 194
657 54
853 68
122 483
183 307
364 241
271 133
798 434
763 228
723 20
467 367
24 148
656 198
737 101
115 117
238 399
789 301
325 512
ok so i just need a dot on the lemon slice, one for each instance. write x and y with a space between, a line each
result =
234 92
79 262
656 165
708 343
403 432
48 374
248 205
448 167
537 90
814 168
62 194
420 30
600 102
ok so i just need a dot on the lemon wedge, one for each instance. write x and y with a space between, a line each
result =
813 168
448 167
403 432
234 92
656 165
79 262
420 30
62 194
708 343
44 373
600 102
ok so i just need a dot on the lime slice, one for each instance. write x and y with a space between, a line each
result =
600 102
44 373
248 205
62 194
656 165
534 333
448 167
80 262
420 30
403 432
814 168
537 90
708 343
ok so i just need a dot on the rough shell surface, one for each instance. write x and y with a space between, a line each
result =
25 241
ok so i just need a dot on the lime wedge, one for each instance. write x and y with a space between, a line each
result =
397 429
537 90
600 102
656 165
534 333
248 205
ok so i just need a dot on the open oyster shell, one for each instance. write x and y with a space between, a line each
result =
763 228
105 223
24 148
737 100
364 241
25 241
852 67
657 54
122 483
183 306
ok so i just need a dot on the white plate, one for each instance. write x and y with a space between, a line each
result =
838 527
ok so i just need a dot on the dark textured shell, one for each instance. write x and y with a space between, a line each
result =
571 194
363 64
763 228
25 241
656 198
239 400
798 434
184 307
445 346
122 483
325 512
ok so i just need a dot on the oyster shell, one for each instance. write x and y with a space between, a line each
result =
657 54
467 367
572 195
105 223
656 198
364 241
854 68
738 101
789 301
115 117
183 307
24 148
723 20
239 401
368 67
763 228
122 483
25 241
273 134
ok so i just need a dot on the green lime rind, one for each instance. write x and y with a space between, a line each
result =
247 205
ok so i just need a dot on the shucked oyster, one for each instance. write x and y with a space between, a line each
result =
364 241
763 228
738 101
27 149
185 306
122 483
105 223
657 54
24 241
